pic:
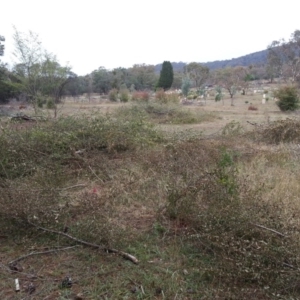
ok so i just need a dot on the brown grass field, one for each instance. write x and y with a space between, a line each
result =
209 208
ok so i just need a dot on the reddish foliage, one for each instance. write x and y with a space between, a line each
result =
251 107
140 96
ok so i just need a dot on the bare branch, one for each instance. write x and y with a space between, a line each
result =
109 250
38 253
269 229
74 186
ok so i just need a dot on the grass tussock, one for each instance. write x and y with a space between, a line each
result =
170 113
282 131
207 218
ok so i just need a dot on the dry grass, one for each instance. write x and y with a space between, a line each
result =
184 204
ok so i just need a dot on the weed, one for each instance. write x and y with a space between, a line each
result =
252 107
232 128
171 113
140 96
113 95
201 214
283 131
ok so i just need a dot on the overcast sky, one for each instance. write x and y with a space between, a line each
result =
119 33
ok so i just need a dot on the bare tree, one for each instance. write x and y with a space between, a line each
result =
230 79
40 73
274 61
284 58
29 53
197 73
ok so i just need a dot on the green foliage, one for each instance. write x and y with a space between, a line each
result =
37 70
9 90
142 76
166 76
249 77
101 80
186 85
9 86
50 104
219 95
113 95
170 113
162 97
191 97
205 219
54 142
40 100
124 95
232 128
288 98
198 73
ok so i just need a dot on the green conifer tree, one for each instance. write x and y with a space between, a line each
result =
166 76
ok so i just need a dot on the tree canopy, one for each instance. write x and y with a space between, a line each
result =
166 76
198 73
39 72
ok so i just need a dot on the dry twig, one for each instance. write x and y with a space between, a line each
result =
269 229
38 253
109 250
74 186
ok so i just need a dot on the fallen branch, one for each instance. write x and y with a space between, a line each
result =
290 266
95 174
254 124
74 186
269 229
109 250
24 118
11 263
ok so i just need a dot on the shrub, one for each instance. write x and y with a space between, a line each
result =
40 101
50 104
113 95
168 113
218 97
124 95
173 98
232 128
162 97
140 96
282 131
288 98
186 85
251 107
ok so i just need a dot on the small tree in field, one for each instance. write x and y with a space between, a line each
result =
186 85
38 71
288 98
166 76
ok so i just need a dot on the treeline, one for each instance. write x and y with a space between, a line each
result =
40 79
254 59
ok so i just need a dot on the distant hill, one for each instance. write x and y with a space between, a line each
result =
256 58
